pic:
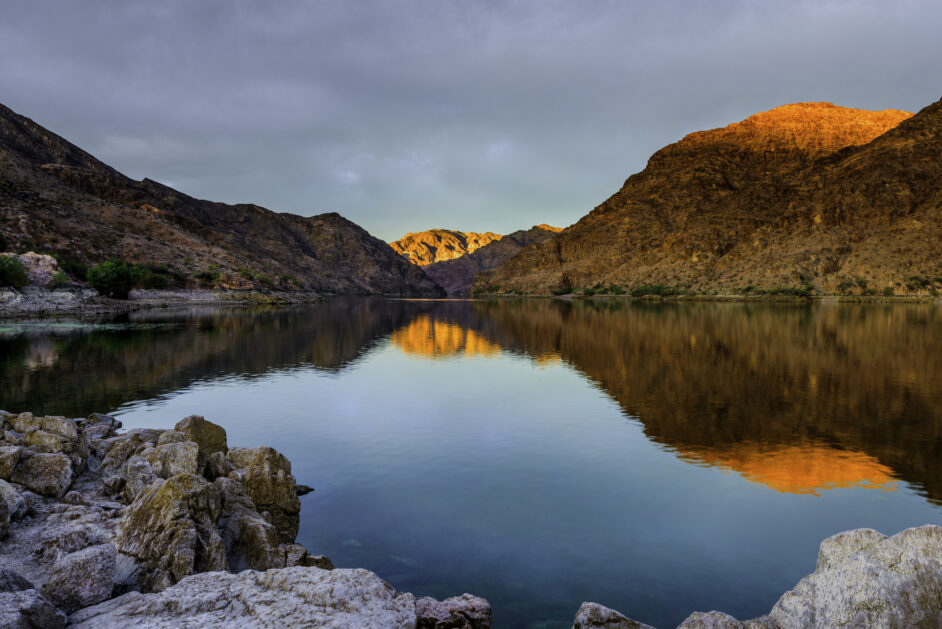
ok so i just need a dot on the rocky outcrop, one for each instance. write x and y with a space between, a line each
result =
862 579
40 268
58 198
805 198
181 528
436 245
457 275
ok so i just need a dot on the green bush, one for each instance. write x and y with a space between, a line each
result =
654 289
888 291
12 272
59 279
73 267
290 279
113 278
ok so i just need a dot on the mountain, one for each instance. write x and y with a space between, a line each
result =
57 198
456 275
436 245
804 197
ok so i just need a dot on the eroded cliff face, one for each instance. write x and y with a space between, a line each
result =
436 245
55 197
805 195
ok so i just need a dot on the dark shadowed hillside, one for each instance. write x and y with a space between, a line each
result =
54 197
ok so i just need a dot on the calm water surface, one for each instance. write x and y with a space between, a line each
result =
658 459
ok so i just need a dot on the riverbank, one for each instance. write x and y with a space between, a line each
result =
34 301
151 528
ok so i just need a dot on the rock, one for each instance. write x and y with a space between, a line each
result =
303 490
115 451
217 466
168 533
297 555
75 498
40 268
11 581
98 426
459 612
25 422
286 597
11 438
174 458
710 620
46 474
138 476
172 436
270 485
4 519
42 441
61 426
865 579
82 578
27 609
9 457
595 616
114 484
16 504
251 542
209 436
317 561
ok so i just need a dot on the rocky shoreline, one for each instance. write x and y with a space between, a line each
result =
169 528
40 301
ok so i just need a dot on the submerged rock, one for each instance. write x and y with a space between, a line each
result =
862 579
287 597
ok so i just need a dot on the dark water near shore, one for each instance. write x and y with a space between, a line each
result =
658 459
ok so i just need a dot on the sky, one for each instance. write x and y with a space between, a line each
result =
407 115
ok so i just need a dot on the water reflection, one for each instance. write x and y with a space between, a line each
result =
798 398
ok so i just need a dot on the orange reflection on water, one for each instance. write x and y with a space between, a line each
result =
435 338
797 469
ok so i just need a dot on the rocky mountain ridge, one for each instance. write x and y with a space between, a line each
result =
56 198
437 245
457 275
806 198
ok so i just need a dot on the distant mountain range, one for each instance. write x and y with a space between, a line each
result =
56 198
437 245
806 198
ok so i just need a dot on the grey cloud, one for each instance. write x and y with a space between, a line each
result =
407 115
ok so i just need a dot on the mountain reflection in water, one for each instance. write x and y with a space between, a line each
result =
798 398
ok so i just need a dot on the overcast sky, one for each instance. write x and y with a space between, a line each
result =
404 116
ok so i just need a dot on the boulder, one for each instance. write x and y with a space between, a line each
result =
11 581
459 612
710 620
82 578
9 457
866 579
25 422
251 541
174 458
595 616
270 485
40 267
98 426
168 533
61 426
46 474
286 597
217 466
115 451
15 503
209 436
4 519
172 436
138 476
27 609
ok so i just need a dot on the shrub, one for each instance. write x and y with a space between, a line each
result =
73 267
206 278
113 278
654 289
58 279
246 273
888 291
588 292
290 279
12 272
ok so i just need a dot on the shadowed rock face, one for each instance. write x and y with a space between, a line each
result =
456 275
57 197
436 245
803 193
